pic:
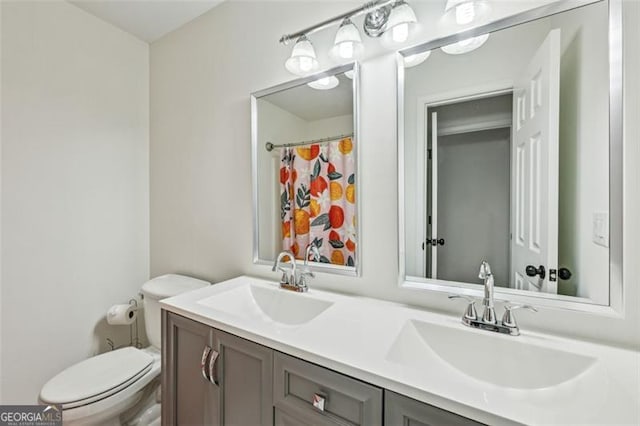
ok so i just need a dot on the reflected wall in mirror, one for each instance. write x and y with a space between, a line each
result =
305 169
506 159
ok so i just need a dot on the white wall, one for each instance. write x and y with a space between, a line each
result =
584 189
333 126
200 141
74 187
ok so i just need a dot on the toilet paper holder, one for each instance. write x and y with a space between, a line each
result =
134 339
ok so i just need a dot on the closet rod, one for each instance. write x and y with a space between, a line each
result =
269 146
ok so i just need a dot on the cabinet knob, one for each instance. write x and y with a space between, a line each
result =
319 401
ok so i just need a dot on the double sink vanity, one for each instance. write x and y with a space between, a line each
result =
245 351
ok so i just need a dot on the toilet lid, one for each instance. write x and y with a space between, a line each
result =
97 377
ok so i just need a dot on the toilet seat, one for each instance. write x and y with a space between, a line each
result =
97 378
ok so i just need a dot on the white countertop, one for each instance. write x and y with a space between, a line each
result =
355 335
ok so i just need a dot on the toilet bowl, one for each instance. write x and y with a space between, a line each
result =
119 387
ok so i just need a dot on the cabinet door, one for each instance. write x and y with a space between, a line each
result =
347 401
245 374
188 398
402 411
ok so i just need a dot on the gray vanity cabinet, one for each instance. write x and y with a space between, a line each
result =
403 411
347 401
253 385
243 371
187 397
246 381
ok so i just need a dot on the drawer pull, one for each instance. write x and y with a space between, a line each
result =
319 401
213 374
203 362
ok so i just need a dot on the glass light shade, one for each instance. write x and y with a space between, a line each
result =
417 59
464 12
401 22
465 46
349 74
324 83
347 44
303 58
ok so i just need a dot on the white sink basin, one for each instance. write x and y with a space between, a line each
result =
264 303
501 360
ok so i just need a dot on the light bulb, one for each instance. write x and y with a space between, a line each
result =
347 43
345 50
303 58
400 25
465 13
400 33
305 64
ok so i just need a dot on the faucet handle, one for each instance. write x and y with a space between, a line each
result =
470 313
302 278
508 320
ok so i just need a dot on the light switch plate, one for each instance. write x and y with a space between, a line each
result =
601 228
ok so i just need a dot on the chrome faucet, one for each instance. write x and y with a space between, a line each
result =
292 280
488 322
288 278
489 314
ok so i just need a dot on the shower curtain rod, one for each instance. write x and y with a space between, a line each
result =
269 146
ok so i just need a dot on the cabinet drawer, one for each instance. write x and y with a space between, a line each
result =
347 401
402 410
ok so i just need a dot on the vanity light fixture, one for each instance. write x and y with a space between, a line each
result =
465 46
392 19
402 21
303 58
464 12
324 83
348 43
417 59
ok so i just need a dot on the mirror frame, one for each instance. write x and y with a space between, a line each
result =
255 145
615 305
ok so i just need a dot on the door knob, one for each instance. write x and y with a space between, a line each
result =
532 271
564 274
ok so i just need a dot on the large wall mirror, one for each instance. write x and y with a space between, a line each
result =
305 164
510 153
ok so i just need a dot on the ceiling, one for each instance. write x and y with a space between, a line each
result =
147 19
312 104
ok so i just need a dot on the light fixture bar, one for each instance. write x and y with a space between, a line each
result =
366 8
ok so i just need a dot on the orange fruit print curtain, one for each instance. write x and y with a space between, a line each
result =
317 200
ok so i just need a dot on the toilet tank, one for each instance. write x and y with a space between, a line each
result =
160 288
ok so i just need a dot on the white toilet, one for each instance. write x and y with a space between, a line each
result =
119 386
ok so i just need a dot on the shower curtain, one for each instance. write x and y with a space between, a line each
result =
317 200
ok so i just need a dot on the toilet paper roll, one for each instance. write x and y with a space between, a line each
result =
121 314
